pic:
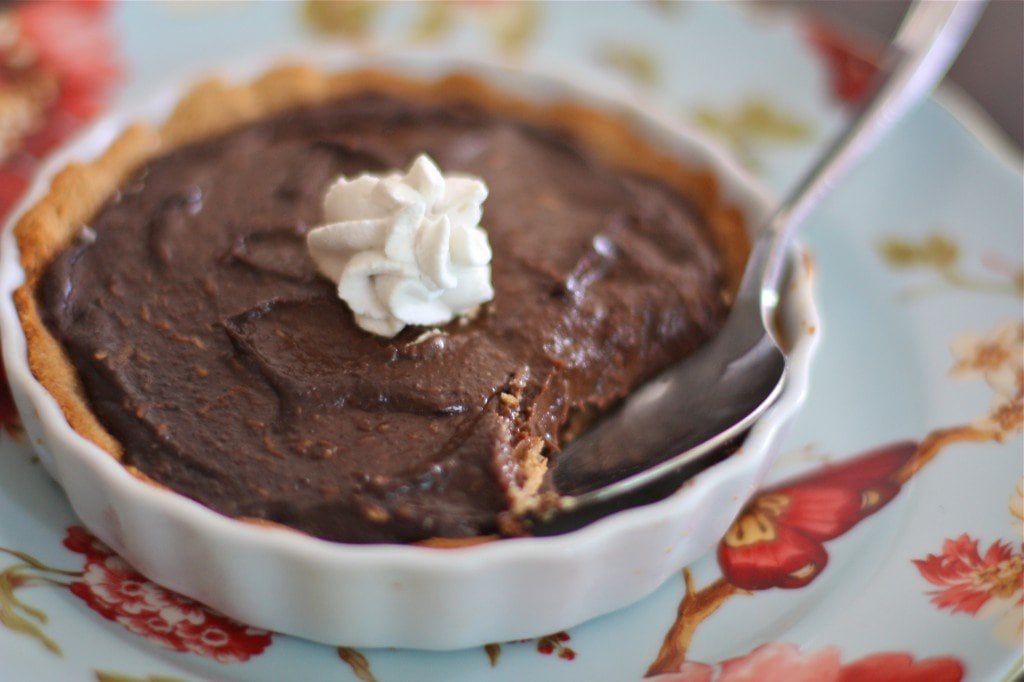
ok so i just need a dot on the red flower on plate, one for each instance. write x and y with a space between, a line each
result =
119 593
967 578
782 662
851 69
556 642
777 539
75 41
901 667
58 64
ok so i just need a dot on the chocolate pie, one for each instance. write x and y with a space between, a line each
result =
173 310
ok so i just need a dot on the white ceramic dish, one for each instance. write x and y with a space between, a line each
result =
395 595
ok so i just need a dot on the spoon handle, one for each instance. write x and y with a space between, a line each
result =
930 37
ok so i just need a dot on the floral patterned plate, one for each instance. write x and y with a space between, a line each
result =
888 545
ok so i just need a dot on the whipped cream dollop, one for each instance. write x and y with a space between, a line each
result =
405 248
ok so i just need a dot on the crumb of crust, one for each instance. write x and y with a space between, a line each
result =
540 506
531 467
578 422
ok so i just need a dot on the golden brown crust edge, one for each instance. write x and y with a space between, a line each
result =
43 232
213 107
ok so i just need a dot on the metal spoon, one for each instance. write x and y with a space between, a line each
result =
644 450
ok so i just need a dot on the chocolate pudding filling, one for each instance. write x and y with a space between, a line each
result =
229 370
